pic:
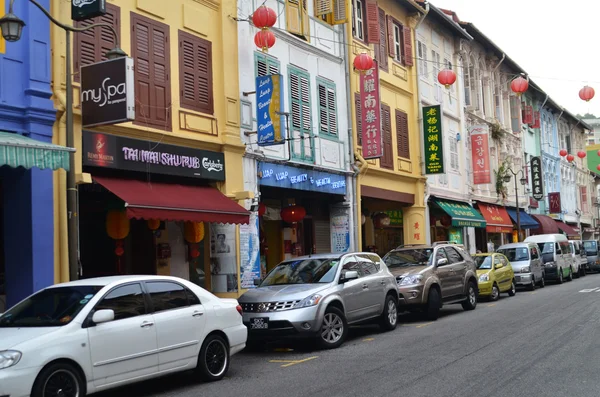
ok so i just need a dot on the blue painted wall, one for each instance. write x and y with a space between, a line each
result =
27 200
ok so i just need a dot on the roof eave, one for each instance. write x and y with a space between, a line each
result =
450 24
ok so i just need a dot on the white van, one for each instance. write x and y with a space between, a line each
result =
579 257
556 254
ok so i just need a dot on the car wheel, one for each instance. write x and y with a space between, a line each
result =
560 276
389 317
582 271
495 293
471 302
334 328
60 379
570 276
513 289
213 361
434 303
543 281
531 286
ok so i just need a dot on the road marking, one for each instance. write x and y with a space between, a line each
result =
590 290
423 325
534 292
289 363
368 339
491 304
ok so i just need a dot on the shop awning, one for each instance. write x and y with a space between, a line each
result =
152 200
567 229
496 217
527 222
547 225
462 214
19 151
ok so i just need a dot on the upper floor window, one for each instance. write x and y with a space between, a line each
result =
195 73
297 21
454 161
422 54
334 12
327 107
301 120
265 65
359 20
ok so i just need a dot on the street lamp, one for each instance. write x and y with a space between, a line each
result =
12 27
523 181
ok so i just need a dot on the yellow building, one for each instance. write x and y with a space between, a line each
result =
391 188
186 107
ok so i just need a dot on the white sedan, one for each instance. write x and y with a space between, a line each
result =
86 336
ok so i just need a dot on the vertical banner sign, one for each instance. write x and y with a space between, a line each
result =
554 201
433 139
536 178
372 142
250 252
480 154
340 229
269 94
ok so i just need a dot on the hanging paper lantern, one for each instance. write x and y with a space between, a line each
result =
581 154
264 39
119 251
153 224
519 85
598 153
264 17
570 158
446 220
117 224
194 253
598 167
193 232
447 77
363 62
262 209
586 93
293 213
381 220
563 152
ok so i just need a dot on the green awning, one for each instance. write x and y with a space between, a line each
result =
19 151
462 214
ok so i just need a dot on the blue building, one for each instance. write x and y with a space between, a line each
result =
27 158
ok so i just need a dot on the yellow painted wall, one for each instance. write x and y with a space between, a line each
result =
208 19
398 89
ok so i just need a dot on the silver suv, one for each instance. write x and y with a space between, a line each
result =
430 276
318 296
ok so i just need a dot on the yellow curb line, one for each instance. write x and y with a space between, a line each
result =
292 362
423 325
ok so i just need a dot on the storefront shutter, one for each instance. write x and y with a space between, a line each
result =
195 73
402 134
322 237
358 111
92 45
387 160
150 49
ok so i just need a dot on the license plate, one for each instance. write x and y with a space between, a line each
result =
259 323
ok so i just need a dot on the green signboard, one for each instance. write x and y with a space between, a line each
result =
463 215
455 236
433 139
86 9
395 217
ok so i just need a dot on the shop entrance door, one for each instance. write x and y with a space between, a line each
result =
388 239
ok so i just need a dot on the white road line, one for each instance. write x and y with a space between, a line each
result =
591 290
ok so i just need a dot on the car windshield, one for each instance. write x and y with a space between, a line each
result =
547 251
51 307
515 254
409 257
305 271
483 262
591 247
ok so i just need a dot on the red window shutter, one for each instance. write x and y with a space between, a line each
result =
150 49
382 53
387 160
390 37
408 47
372 10
526 113
92 45
195 73
402 134
536 120
358 111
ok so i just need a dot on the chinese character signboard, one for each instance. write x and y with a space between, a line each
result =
269 106
536 178
554 200
86 9
396 217
480 154
433 139
372 145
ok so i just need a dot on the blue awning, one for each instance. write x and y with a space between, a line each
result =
527 222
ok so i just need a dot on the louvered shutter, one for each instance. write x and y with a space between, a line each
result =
536 120
322 237
195 73
341 12
390 37
261 67
387 160
305 20
323 109
332 110
408 46
402 134
295 94
305 97
358 115
372 14
383 56
323 7
293 17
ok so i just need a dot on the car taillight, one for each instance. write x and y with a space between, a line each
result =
239 309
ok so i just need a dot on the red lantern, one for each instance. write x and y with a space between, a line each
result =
586 93
598 152
262 209
119 251
581 154
194 253
446 220
264 17
446 77
363 62
563 152
519 85
293 213
598 167
264 39
381 220
570 158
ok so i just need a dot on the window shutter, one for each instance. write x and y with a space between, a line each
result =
390 37
195 73
358 115
402 134
387 160
408 47
305 20
527 113
295 95
323 7
536 120
331 106
515 117
372 13
323 113
341 12
293 17
383 55
262 68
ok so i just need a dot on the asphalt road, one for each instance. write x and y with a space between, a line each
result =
540 343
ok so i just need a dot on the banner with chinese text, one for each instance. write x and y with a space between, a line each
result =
480 154
372 143
536 178
554 201
433 139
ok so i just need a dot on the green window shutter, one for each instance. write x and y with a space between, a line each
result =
264 65
301 119
327 107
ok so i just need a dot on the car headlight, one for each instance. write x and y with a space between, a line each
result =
308 301
484 277
525 269
597 261
8 358
410 280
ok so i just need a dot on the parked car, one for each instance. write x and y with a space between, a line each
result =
527 264
579 258
430 276
95 334
319 296
591 252
495 275
556 255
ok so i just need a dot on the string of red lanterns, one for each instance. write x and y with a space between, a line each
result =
264 18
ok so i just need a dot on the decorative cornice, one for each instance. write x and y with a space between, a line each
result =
297 42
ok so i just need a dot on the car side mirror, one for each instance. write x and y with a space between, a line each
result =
442 261
103 316
257 282
349 275
499 265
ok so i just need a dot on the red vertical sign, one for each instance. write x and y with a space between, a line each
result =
554 201
480 154
372 145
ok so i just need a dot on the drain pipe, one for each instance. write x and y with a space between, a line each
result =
499 63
